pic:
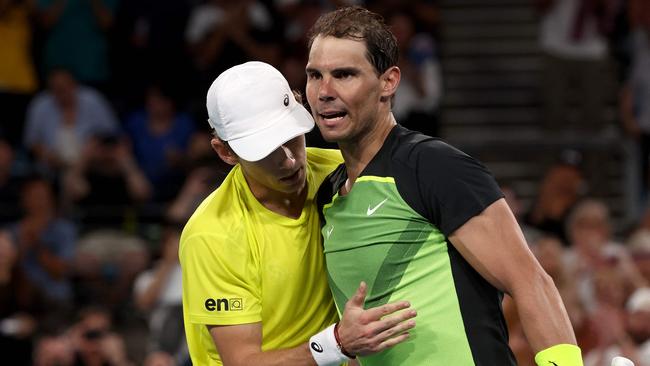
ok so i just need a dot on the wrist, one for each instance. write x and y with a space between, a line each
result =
325 349
560 354
339 344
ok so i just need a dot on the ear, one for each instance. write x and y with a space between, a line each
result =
390 81
224 151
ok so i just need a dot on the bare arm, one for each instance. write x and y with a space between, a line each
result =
494 245
362 332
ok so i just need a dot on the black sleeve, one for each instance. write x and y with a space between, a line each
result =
443 184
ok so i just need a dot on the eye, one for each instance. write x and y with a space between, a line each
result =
343 74
312 75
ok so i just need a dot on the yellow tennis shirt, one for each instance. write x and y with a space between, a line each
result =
243 263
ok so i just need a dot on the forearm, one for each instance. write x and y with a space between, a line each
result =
543 316
148 297
297 356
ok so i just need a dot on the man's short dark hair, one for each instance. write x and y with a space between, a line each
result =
359 24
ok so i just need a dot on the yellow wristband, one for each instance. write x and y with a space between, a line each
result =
560 355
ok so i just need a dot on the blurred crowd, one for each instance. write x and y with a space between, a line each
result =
104 154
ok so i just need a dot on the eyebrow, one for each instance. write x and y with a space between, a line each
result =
347 69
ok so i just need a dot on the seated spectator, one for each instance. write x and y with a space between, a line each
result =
94 341
638 323
107 261
160 135
18 81
158 294
62 119
560 189
639 247
18 305
592 248
609 320
222 33
46 244
76 37
420 90
106 183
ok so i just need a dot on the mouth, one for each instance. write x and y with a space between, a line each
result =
292 177
330 117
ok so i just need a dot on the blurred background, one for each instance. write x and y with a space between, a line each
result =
104 152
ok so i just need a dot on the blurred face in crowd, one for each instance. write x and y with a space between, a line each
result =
403 29
63 87
37 196
159 105
93 328
343 89
589 227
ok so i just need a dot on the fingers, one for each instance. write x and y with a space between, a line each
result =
359 296
384 310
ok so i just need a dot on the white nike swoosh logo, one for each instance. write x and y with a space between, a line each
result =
329 231
371 210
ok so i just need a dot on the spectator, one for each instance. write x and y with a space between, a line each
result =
61 120
222 33
94 341
573 41
106 183
638 323
561 187
18 81
46 244
106 263
148 44
613 323
589 230
635 95
639 245
158 294
418 97
160 135
17 306
77 37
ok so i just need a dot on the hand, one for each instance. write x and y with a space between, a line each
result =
363 332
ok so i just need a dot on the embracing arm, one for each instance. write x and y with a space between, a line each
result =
362 332
494 245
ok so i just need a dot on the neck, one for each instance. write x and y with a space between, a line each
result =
358 153
282 203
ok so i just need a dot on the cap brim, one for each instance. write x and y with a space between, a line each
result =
259 145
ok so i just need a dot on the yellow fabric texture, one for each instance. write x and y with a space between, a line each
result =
560 355
243 263
17 74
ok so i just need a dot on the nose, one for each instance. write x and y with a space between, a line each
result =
286 158
325 90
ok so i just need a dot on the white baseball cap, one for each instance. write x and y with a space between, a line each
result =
252 107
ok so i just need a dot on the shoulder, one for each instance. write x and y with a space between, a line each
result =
323 161
413 149
43 102
324 156
220 218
